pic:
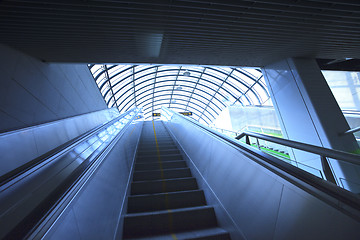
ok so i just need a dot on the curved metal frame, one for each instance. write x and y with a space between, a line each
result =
140 95
172 85
207 122
178 99
178 80
128 93
172 75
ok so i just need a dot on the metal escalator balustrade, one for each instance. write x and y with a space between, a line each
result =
253 190
323 155
31 200
165 201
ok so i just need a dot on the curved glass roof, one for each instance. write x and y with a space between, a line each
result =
203 90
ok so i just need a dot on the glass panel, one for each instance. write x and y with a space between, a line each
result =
184 78
164 83
238 84
172 67
166 78
212 79
167 72
187 78
218 73
346 88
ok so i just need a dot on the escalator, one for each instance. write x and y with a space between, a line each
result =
165 201
171 179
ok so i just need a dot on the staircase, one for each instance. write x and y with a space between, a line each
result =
165 201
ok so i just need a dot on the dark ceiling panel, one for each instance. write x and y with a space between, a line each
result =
235 33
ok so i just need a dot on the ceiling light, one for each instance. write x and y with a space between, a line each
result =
187 73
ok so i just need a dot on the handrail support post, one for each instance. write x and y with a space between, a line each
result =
247 140
327 170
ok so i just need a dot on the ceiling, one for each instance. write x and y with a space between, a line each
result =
204 91
227 33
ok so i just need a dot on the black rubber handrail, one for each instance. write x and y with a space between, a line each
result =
54 152
53 196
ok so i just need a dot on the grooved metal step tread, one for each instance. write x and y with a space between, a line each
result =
168 221
166 185
161 174
163 151
141 156
162 201
162 159
202 234
156 165
144 158
154 148
159 142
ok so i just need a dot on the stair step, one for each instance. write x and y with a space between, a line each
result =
154 158
161 186
202 234
163 151
168 221
154 148
159 142
161 174
156 165
162 201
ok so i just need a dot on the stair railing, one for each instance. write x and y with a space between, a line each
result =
324 153
53 194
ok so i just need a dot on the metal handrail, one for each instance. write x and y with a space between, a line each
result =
354 130
60 182
326 152
333 190
17 173
224 130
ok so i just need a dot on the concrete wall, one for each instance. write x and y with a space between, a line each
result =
33 92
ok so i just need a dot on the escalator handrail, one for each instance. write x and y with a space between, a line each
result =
326 152
66 185
274 164
52 154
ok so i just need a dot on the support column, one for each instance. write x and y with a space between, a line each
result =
309 113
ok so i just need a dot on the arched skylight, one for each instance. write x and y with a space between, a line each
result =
203 90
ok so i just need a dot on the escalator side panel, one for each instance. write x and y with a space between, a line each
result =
94 212
253 202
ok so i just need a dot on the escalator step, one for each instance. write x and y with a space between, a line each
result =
162 201
154 148
163 151
184 219
161 174
156 165
154 158
202 234
160 186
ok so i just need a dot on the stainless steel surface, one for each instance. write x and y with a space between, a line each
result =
331 153
21 146
29 195
353 130
97 211
260 202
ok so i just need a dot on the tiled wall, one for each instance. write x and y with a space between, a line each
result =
34 92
